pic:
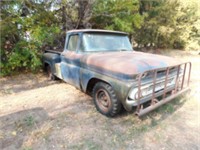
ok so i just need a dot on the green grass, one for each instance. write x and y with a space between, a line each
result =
172 106
27 148
88 144
153 119
29 121
168 108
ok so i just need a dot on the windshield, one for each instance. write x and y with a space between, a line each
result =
105 42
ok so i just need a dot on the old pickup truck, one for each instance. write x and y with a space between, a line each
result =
103 64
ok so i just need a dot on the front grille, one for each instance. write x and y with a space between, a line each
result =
160 73
161 84
158 86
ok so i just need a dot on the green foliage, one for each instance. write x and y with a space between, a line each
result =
120 15
21 58
165 27
161 24
27 27
29 121
21 48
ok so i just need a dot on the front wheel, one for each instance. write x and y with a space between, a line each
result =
105 99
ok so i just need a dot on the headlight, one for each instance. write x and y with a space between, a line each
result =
132 93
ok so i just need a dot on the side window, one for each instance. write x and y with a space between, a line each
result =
73 42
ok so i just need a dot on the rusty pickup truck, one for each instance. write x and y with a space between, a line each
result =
103 64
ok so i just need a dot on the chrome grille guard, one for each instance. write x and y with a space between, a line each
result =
181 86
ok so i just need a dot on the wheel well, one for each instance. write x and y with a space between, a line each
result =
91 85
46 65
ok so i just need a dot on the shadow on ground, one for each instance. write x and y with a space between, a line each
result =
15 127
24 82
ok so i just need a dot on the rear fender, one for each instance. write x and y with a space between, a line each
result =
45 63
51 59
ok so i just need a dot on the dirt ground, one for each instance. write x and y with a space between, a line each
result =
37 114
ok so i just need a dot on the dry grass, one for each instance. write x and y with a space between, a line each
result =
39 134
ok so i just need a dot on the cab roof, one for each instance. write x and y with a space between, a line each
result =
95 31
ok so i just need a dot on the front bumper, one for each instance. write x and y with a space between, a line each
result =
181 85
161 102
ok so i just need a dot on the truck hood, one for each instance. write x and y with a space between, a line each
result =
126 64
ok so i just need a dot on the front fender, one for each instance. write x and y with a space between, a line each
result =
121 88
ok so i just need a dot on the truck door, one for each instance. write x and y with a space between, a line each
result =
70 61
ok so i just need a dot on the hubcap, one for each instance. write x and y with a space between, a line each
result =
103 99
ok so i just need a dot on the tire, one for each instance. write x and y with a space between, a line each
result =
50 75
105 99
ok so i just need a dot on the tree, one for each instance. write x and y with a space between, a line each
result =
30 26
165 27
120 15
25 27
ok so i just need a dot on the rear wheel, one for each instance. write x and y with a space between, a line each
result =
50 75
105 99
